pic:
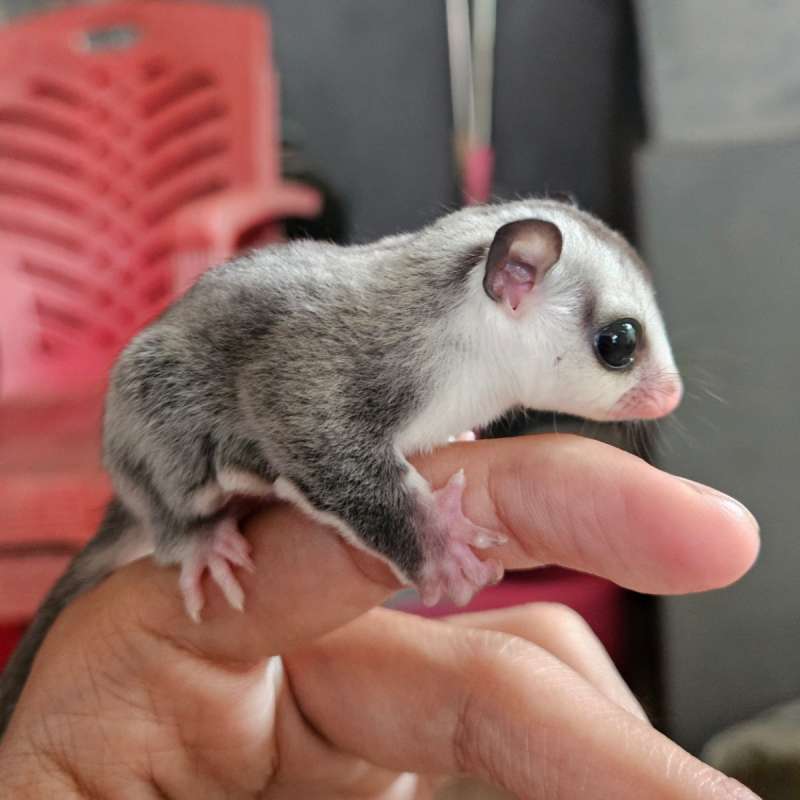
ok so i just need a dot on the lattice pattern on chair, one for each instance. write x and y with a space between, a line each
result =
138 146
137 142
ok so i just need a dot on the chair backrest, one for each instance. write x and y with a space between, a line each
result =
138 144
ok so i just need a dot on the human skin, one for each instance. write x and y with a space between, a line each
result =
130 699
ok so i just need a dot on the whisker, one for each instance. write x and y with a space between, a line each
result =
682 428
715 396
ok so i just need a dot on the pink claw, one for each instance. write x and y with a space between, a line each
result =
225 547
452 568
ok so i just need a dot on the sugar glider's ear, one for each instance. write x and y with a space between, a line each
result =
520 255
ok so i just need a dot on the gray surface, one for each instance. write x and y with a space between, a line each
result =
721 227
721 70
367 85
560 96
763 753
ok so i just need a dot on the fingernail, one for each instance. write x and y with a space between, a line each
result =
736 509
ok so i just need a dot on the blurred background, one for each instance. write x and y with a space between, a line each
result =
142 142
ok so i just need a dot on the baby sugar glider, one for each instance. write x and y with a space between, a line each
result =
310 372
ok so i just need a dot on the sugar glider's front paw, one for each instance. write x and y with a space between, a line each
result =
451 567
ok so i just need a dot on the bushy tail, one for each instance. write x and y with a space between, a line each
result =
95 562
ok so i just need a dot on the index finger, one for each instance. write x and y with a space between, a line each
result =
583 504
561 499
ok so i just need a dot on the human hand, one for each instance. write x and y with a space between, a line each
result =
128 698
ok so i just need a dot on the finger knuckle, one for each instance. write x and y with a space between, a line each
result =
485 661
561 616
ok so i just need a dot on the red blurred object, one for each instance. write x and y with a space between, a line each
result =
9 636
470 45
139 145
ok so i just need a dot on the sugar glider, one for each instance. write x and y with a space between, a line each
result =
310 372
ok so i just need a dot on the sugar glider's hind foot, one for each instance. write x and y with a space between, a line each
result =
223 549
451 566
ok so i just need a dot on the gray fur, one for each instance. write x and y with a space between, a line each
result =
303 361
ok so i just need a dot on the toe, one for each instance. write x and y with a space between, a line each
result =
448 498
482 538
236 553
225 579
430 593
192 592
495 571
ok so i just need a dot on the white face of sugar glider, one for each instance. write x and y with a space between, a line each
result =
575 305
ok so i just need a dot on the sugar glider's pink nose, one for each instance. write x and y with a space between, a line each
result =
661 400
649 400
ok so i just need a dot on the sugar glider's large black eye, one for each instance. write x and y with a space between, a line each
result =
615 343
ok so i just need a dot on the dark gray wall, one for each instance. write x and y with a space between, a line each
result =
719 221
367 86
721 227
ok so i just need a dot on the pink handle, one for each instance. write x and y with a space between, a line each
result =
478 174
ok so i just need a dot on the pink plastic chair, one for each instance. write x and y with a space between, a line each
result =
138 145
